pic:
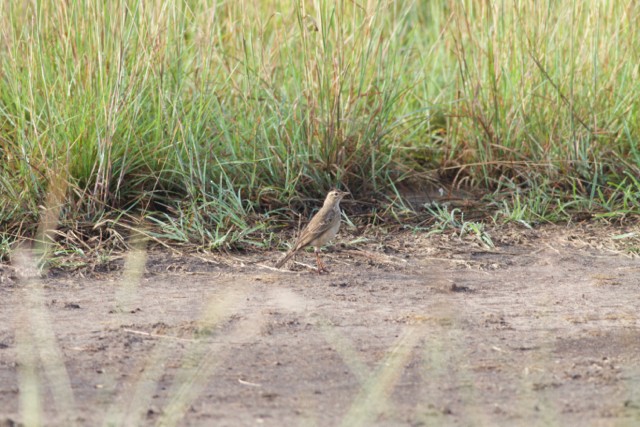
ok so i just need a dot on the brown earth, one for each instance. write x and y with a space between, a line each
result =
406 330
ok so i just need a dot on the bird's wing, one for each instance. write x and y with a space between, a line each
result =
318 225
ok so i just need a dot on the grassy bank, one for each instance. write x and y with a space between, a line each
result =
203 120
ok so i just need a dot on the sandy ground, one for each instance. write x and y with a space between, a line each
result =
406 330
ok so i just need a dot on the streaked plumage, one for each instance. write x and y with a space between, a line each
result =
321 229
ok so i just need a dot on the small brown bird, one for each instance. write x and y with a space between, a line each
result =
323 227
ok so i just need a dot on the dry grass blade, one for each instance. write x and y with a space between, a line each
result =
371 401
38 347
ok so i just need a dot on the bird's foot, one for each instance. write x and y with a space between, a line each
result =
321 268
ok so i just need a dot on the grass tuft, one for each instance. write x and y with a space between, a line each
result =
208 118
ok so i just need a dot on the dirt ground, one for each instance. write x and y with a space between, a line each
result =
406 330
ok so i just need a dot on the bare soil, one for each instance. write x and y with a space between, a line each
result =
405 330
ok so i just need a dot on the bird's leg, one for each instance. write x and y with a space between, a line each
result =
321 267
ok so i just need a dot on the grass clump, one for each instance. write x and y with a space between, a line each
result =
202 119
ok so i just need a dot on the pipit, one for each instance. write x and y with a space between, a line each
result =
323 227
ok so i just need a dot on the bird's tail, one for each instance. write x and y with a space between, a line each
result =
286 258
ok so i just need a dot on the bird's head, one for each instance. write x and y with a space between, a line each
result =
334 196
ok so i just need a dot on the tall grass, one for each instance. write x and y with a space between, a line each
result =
548 88
203 116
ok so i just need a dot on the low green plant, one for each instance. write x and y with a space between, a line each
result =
453 219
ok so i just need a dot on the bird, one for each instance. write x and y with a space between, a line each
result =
321 229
